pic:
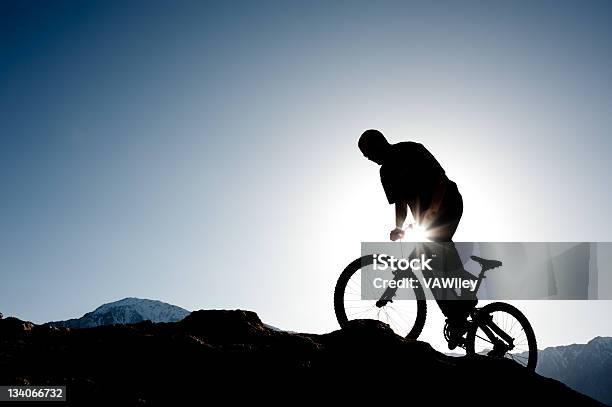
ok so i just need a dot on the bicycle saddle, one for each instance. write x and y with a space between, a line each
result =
486 264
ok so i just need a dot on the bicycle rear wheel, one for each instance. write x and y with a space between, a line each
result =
503 331
405 317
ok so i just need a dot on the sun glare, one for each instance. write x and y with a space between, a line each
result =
416 233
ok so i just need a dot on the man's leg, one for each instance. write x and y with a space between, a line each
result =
442 231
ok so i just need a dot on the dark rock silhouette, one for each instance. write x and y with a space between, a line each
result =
234 355
14 328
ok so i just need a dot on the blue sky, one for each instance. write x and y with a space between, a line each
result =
204 153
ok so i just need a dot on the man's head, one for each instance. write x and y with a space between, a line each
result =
374 146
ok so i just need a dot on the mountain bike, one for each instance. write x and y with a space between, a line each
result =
497 329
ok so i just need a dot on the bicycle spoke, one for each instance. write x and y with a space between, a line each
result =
361 300
511 326
484 339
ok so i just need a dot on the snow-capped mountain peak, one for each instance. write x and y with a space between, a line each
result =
127 311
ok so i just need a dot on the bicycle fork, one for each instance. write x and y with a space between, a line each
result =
390 293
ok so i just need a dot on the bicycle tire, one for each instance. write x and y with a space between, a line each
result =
343 280
520 317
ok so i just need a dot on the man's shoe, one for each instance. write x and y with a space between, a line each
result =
454 331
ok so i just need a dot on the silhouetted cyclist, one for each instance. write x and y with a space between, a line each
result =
413 178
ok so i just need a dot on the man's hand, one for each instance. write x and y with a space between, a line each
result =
396 234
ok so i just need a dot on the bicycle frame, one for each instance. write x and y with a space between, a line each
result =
389 293
484 322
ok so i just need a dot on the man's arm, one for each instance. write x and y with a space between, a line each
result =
401 211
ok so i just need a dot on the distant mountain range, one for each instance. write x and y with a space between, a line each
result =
586 368
126 311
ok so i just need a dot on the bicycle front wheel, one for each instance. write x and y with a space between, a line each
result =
502 330
405 317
